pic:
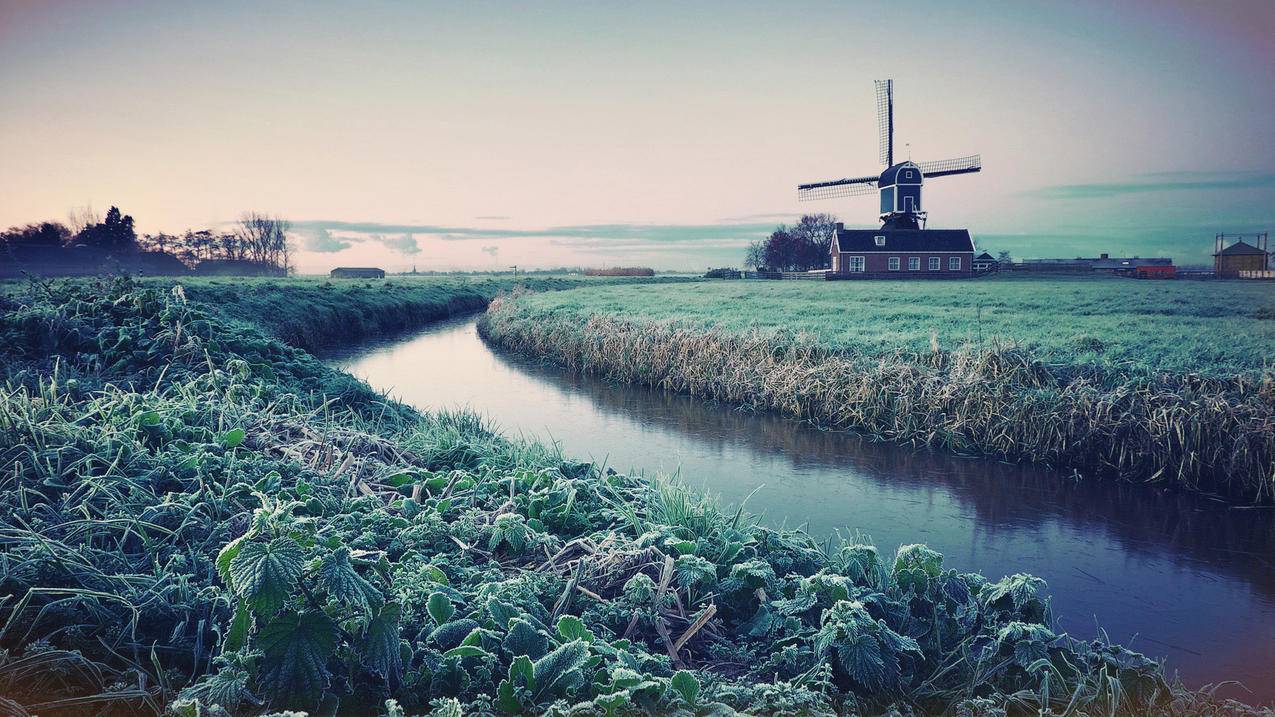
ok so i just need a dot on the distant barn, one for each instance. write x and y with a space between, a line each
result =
1229 261
986 263
357 272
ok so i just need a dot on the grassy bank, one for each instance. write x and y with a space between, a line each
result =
317 313
1100 376
200 518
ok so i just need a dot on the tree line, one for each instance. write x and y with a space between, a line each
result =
255 237
803 246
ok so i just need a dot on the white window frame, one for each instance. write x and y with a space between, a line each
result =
857 265
914 263
894 263
935 264
879 239
954 263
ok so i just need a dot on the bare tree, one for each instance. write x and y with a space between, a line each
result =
264 239
80 218
756 254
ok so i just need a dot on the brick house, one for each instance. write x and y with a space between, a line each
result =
902 254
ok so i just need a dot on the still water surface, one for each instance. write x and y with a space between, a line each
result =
1174 576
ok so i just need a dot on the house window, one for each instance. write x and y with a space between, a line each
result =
914 263
856 264
954 263
894 263
934 263
880 240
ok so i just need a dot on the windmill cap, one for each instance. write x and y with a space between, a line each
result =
891 174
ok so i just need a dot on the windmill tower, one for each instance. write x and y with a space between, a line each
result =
899 184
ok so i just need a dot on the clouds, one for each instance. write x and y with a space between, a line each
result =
1164 182
320 240
404 244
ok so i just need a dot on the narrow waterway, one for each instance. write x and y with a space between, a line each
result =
1174 576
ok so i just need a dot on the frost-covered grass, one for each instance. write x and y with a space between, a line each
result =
196 517
1217 329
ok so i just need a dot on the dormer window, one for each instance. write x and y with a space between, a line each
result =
880 240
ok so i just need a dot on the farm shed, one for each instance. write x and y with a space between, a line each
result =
985 263
902 254
357 272
1241 256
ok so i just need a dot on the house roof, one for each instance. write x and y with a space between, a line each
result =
1240 248
984 257
357 268
860 241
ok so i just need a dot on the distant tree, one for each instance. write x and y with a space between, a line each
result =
756 254
806 245
1004 257
79 218
45 235
814 234
114 233
264 239
160 242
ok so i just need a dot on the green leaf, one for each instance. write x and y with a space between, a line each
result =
240 624
559 672
265 574
466 651
685 684
440 608
572 628
381 643
506 699
233 437
150 418
295 651
344 585
435 574
523 639
228 553
684 547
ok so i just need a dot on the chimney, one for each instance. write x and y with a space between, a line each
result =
841 226
1102 256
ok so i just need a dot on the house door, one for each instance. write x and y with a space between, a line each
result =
909 205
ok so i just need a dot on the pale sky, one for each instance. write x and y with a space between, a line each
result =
479 135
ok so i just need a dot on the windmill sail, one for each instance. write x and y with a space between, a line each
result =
885 120
837 188
944 167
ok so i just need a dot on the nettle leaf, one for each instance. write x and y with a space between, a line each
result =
295 651
228 553
686 685
227 688
344 585
265 574
524 639
440 608
233 437
240 625
571 627
381 643
861 658
559 672
466 651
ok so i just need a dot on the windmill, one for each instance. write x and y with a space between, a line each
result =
900 184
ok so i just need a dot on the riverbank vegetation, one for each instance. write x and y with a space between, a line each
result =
1166 383
197 517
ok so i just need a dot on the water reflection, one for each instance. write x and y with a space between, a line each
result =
1178 576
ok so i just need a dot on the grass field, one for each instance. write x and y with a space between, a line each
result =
200 519
1212 328
1168 383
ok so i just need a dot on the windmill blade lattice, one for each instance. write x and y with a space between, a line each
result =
944 167
885 119
837 188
